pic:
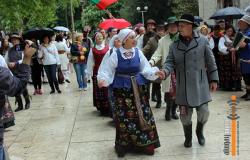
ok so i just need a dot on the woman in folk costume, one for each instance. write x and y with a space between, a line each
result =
114 44
230 76
96 54
127 73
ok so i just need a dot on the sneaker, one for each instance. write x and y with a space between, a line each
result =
85 89
59 91
80 89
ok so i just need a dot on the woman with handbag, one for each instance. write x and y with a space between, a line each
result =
79 61
49 55
230 76
63 51
126 71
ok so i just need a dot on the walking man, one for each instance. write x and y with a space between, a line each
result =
196 73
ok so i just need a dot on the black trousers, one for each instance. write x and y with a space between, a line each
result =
246 78
156 91
36 75
51 74
25 94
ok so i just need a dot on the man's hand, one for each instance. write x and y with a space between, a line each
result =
102 83
161 74
243 44
213 86
28 52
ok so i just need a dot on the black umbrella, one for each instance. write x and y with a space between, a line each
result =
198 19
38 33
228 13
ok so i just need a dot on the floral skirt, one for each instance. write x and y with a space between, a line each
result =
128 131
100 97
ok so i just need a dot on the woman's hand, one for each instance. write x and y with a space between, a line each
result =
101 83
232 50
161 74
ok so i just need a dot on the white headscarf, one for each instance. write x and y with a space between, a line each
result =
124 34
112 41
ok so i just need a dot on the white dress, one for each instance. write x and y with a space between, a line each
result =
61 46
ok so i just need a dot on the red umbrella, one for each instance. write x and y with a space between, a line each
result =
115 23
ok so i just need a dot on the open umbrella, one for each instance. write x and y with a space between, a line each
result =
228 13
115 23
198 19
103 4
247 10
38 33
61 28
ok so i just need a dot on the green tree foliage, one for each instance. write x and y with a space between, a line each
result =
185 6
19 15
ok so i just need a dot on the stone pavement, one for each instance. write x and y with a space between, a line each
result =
67 127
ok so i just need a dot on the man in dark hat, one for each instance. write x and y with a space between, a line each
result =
150 31
148 51
13 85
13 58
196 73
160 56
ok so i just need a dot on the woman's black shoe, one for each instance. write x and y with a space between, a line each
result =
59 91
52 92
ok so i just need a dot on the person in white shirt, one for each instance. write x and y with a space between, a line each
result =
139 37
49 54
63 52
230 76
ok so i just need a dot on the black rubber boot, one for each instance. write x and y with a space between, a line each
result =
27 102
188 136
174 114
248 96
19 103
120 150
199 133
168 110
244 96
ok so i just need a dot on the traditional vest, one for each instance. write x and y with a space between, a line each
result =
127 68
98 56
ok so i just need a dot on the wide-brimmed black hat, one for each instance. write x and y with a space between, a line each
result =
188 18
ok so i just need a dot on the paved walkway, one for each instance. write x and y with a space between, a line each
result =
67 127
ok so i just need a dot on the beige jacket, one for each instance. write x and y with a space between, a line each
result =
160 55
